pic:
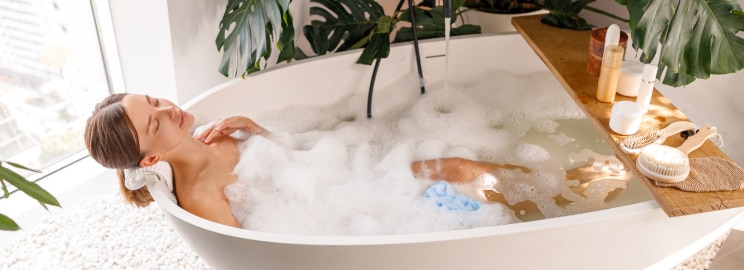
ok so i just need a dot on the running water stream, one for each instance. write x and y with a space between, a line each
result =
447 27
447 6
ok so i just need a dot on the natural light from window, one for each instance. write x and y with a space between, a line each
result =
51 76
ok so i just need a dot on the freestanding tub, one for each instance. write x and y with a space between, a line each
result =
637 235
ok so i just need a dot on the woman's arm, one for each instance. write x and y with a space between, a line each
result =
225 127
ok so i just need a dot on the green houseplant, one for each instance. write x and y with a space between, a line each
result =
249 28
504 6
697 37
8 176
494 16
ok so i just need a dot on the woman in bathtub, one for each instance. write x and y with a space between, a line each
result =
128 131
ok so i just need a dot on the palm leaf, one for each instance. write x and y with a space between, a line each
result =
430 24
697 37
344 25
30 188
19 166
247 29
7 224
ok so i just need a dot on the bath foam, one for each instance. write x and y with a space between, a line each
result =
331 171
561 138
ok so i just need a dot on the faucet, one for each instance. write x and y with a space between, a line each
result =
447 10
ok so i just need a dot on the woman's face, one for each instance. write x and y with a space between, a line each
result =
160 125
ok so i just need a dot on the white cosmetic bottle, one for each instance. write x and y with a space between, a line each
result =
646 89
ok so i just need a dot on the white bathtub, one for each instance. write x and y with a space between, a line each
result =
630 236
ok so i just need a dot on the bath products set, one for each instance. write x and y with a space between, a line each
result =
635 79
616 76
667 166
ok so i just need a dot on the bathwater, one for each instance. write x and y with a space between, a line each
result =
332 171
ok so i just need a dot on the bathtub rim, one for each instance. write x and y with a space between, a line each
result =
348 240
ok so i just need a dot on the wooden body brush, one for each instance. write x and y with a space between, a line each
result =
668 164
634 143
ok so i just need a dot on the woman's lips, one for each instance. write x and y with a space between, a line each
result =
183 117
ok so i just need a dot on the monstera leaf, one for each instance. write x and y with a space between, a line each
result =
565 14
430 24
349 24
697 37
247 29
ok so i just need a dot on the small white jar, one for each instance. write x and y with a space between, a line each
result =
625 118
630 78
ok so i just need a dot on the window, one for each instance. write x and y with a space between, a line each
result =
52 74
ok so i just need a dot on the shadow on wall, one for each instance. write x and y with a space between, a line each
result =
716 102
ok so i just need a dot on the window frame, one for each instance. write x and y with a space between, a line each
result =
103 24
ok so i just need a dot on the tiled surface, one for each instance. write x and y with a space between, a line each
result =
731 253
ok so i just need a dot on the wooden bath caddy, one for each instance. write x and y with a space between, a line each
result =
564 51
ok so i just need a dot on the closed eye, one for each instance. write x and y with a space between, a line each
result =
157 103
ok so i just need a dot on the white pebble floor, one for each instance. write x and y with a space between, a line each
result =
101 233
703 258
105 233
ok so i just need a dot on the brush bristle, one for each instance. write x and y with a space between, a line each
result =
664 160
642 138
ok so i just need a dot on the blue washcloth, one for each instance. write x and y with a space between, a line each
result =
444 195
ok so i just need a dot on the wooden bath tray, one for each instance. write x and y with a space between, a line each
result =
564 51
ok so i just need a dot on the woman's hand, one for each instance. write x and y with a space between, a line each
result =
225 127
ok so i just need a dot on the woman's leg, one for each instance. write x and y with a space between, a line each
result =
461 170
456 169
465 170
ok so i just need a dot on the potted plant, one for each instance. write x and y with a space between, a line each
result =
494 16
30 188
689 49
250 28
504 6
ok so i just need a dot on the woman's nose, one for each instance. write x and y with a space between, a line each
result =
170 111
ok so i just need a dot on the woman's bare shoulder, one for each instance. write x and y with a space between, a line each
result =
209 205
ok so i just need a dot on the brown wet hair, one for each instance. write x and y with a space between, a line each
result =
112 141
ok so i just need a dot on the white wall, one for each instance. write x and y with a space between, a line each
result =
194 25
143 39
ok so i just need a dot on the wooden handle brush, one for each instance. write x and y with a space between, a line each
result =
668 164
634 143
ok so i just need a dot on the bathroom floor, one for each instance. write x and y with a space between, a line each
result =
730 255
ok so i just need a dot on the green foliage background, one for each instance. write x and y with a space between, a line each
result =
695 38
